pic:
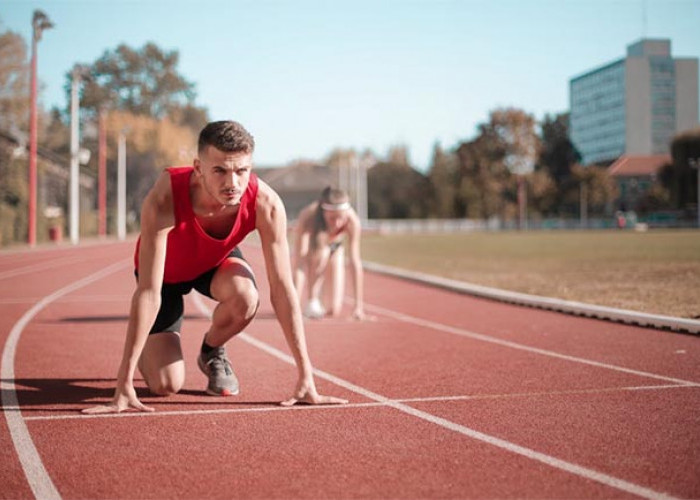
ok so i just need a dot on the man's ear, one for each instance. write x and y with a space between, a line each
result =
197 166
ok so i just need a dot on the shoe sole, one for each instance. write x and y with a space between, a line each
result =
225 392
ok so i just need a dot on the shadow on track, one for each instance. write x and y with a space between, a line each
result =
106 319
47 395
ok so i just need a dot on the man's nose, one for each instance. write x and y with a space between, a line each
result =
232 181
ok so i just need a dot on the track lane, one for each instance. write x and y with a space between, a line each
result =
342 335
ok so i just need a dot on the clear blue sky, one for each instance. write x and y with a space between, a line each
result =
307 76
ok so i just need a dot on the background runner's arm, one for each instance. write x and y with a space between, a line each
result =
300 256
356 264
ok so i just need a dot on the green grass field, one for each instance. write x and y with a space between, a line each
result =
655 272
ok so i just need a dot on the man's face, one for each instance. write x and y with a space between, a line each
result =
225 176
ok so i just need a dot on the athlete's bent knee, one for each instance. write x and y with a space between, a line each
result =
164 386
246 303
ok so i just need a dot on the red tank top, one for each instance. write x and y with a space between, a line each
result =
190 250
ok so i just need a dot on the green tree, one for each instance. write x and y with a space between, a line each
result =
14 125
680 178
397 191
444 181
142 94
507 145
596 185
142 81
558 153
657 198
542 192
482 177
152 145
557 157
14 82
514 129
398 155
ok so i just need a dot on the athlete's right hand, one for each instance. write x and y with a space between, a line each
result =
124 399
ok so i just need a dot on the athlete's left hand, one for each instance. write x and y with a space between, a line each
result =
306 393
359 315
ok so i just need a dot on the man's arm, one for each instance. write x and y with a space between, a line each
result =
271 222
156 222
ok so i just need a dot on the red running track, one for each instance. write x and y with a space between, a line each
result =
450 397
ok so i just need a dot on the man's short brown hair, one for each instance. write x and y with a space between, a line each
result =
226 135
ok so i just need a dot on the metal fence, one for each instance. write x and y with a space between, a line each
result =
628 222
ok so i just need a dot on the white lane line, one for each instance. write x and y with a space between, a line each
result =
557 463
430 399
79 299
53 263
514 345
216 411
34 470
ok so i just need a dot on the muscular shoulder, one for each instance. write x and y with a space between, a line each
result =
267 197
158 204
268 203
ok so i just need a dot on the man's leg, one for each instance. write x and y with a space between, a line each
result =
233 286
161 363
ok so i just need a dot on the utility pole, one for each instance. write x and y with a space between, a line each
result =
102 176
40 22
74 212
121 185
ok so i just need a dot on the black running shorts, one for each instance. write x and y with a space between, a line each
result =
172 306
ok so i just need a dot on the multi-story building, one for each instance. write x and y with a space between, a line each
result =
634 105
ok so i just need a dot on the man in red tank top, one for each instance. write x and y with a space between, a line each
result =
191 223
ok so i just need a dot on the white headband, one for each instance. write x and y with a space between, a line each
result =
334 207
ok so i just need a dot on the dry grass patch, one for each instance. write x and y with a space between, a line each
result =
655 272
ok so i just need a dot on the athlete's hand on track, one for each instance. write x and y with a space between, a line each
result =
124 399
359 315
306 393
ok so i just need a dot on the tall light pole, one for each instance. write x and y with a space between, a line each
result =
40 22
121 184
102 176
74 161
78 156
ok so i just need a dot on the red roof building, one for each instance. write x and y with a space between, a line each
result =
634 175
638 165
